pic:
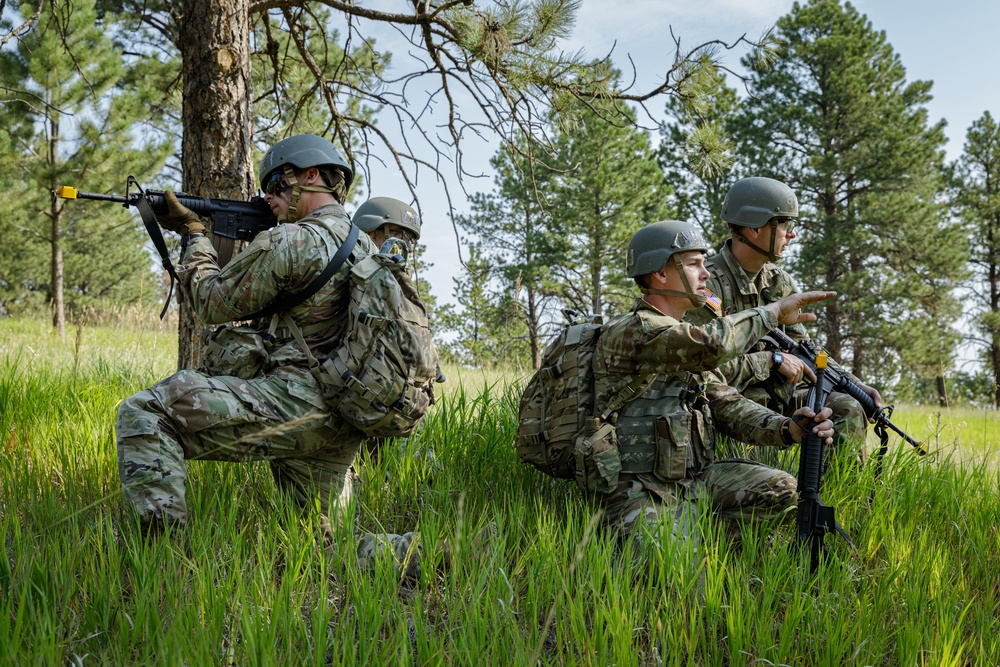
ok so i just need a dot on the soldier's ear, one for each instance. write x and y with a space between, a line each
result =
659 278
311 176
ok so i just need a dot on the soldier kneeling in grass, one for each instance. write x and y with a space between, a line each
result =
648 452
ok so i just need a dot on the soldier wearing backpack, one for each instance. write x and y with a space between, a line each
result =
257 396
659 406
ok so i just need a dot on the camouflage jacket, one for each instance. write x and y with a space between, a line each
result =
738 292
279 261
673 420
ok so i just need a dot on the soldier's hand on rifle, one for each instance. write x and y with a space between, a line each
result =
179 218
821 424
787 309
873 392
793 369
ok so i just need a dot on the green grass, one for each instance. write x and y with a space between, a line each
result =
247 584
965 434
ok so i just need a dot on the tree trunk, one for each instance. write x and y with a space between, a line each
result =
993 277
942 392
57 288
995 363
216 151
856 331
596 245
828 202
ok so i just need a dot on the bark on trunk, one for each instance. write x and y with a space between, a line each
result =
216 151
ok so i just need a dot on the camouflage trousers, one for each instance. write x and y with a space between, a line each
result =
279 418
736 490
849 421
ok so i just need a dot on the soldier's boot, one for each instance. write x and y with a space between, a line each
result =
405 551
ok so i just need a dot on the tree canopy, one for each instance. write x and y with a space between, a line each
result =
836 119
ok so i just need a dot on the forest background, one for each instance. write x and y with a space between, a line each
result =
188 94
900 225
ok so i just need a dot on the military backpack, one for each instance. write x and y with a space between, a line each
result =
559 429
380 378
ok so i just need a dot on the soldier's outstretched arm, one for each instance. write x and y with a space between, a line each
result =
788 309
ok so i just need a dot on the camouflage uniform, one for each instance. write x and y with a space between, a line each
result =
261 406
667 434
751 373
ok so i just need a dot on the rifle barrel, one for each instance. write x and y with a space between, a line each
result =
69 192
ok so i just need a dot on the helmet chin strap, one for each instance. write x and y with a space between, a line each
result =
696 299
770 254
293 200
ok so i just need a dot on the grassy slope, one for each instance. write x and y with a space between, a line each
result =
247 584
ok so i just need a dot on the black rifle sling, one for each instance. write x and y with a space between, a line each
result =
285 302
153 229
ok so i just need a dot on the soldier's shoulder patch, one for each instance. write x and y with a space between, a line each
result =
713 301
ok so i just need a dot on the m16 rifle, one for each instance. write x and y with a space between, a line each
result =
808 351
814 519
232 220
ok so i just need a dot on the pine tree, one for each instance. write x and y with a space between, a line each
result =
79 132
697 183
836 120
977 198
511 223
298 67
605 185
487 329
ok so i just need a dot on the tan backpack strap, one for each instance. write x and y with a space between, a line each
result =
300 339
628 392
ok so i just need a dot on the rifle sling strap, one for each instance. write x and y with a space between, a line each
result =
282 303
224 247
156 236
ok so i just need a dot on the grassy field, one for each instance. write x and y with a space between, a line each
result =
247 583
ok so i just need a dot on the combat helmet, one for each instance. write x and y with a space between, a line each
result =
756 201
654 244
380 211
301 152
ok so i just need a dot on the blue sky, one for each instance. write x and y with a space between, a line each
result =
950 44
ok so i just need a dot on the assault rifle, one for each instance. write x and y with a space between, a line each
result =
808 351
232 219
815 520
